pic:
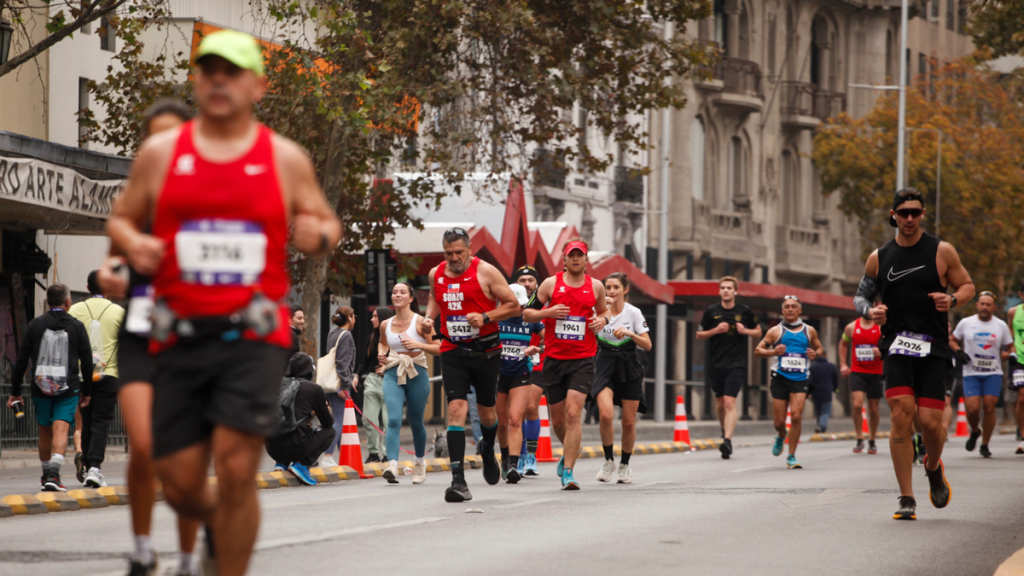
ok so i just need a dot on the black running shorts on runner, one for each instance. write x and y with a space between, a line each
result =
1013 367
537 378
726 381
134 364
215 382
782 387
626 382
870 384
459 372
924 378
560 376
506 383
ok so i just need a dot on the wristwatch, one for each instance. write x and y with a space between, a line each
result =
952 301
487 319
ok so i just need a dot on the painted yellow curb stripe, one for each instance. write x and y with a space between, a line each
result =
88 498
58 501
115 495
25 504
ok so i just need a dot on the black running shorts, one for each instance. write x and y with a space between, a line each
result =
560 376
1014 366
506 383
460 371
782 387
726 381
924 378
215 382
537 378
870 384
134 364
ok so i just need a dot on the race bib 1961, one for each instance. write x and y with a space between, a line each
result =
140 308
221 252
911 344
572 328
793 363
459 329
984 363
513 350
864 352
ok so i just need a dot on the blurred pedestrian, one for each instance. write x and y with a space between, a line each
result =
344 320
824 380
375 410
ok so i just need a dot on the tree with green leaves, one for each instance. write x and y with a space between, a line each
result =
447 88
982 196
997 25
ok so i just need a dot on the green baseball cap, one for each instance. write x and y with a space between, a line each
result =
239 48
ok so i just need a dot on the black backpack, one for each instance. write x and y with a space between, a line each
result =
286 420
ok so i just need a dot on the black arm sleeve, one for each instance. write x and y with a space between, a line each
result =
866 292
535 302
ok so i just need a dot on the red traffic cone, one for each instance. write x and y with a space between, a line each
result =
544 440
682 429
350 454
789 423
864 419
961 420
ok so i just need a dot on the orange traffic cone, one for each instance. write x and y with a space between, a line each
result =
682 430
961 420
864 419
789 423
350 454
544 440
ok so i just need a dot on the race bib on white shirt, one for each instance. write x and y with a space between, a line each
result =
571 328
221 252
864 352
984 363
793 363
140 310
911 344
459 329
513 350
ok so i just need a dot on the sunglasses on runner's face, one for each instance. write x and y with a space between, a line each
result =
908 212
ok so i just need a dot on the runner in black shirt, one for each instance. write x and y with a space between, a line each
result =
726 327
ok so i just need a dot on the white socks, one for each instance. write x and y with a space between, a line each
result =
55 462
46 467
185 564
143 550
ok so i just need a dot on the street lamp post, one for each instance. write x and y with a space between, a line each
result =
660 342
901 138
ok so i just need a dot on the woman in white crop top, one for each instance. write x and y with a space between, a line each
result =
406 382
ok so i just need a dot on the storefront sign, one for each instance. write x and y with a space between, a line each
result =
56 187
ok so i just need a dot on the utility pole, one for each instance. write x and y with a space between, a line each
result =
662 311
901 136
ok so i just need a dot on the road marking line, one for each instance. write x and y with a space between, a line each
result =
752 469
527 503
328 501
324 536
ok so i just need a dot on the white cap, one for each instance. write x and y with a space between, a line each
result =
520 292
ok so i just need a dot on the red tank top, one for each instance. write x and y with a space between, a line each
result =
226 230
458 296
864 339
570 339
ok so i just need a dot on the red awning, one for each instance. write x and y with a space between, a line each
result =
766 297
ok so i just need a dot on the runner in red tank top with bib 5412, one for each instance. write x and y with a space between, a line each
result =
865 372
576 311
221 193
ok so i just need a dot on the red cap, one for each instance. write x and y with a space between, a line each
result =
575 245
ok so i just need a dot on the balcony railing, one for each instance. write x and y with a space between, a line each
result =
828 104
549 169
629 185
741 77
797 98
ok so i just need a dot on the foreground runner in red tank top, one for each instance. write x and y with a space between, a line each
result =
576 311
464 291
221 195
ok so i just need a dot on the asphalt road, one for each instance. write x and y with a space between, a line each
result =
685 513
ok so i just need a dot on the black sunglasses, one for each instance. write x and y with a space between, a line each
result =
908 212
457 232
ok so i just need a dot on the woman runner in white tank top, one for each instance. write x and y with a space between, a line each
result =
406 382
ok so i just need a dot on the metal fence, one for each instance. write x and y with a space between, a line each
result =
23 433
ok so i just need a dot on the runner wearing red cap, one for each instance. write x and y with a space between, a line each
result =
576 311
222 193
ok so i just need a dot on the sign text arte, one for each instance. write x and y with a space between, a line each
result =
56 187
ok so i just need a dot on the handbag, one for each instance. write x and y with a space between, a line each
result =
326 371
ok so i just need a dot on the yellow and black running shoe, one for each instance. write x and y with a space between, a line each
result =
939 491
908 509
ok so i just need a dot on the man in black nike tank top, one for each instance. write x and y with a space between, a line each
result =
912 273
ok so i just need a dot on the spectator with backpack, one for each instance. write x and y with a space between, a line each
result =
297 443
57 345
102 320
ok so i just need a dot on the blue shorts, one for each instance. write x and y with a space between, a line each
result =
987 385
49 410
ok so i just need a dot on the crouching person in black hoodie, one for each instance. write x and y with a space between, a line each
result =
297 443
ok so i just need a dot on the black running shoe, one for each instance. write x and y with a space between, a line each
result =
984 451
973 440
513 476
458 491
859 447
725 448
137 568
872 447
908 509
492 471
938 488
80 467
52 484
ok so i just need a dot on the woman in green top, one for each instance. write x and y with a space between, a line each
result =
1016 322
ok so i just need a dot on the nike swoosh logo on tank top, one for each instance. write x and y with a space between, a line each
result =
896 276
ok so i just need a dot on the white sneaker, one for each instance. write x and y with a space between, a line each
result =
391 472
625 474
94 479
328 461
605 475
419 472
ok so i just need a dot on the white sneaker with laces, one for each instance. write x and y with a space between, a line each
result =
625 474
391 472
328 461
94 479
605 475
419 472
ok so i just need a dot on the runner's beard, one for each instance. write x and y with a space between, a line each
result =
459 268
